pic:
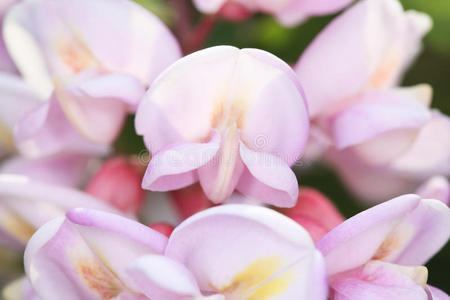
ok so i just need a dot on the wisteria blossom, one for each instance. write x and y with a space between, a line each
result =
236 120
288 12
96 255
26 204
96 81
380 253
370 129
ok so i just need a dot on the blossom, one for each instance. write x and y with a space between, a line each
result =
288 12
6 64
371 130
96 65
267 255
315 212
380 253
26 204
118 182
229 118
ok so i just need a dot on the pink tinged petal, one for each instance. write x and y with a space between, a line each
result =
419 236
364 236
62 40
209 6
118 183
298 10
186 113
314 204
272 257
378 281
436 294
189 201
17 99
21 197
375 62
220 176
429 154
314 228
379 112
46 130
175 167
268 178
159 277
86 255
163 228
437 187
62 169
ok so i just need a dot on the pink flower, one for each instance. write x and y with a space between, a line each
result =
380 253
96 65
118 183
288 12
227 252
373 132
231 119
315 213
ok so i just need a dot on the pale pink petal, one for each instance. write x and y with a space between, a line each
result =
437 294
187 112
209 6
437 187
159 277
19 289
429 154
380 281
175 167
361 237
62 169
62 39
375 38
268 178
45 130
379 112
17 100
264 249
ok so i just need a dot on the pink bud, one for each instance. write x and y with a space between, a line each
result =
190 200
314 228
234 11
163 228
313 206
118 182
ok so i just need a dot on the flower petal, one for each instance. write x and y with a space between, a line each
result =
361 237
175 167
268 178
379 281
159 277
378 40
379 112
437 187
45 130
267 254
61 39
437 294
85 256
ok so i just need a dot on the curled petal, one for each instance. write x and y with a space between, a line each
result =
437 187
379 281
270 257
361 237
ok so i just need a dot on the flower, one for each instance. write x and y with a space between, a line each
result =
380 253
229 118
96 255
96 65
288 12
371 131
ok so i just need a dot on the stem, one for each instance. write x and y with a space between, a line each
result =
200 34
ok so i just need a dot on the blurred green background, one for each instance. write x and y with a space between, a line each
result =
262 31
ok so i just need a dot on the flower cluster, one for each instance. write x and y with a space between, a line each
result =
214 210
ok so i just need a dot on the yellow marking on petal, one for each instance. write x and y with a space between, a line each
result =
259 281
16 226
99 279
394 241
6 138
387 70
